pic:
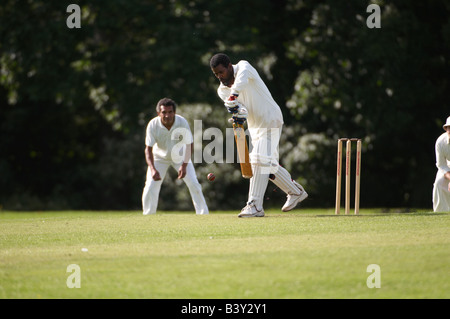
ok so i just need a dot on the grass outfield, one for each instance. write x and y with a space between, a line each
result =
303 254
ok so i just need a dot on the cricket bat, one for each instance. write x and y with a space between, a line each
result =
242 150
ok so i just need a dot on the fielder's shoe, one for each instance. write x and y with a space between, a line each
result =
251 211
294 199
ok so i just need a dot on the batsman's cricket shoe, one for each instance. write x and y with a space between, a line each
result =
251 211
294 199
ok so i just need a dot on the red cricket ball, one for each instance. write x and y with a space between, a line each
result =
211 177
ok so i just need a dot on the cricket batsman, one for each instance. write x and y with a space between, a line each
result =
247 97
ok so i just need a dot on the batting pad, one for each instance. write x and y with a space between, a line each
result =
258 185
284 181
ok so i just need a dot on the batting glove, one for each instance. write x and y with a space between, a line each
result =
232 104
239 117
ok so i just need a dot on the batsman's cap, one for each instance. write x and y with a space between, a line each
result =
447 123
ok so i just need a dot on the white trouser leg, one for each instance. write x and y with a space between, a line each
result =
195 189
264 159
263 156
441 195
150 194
258 185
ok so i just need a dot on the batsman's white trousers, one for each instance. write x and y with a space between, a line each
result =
150 195
264 148
264 158
441 195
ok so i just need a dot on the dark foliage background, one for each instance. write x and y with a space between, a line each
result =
74 103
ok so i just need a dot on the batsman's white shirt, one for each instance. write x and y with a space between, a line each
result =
441 195
169 145
263 111
264 120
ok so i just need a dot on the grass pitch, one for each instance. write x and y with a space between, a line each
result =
179 255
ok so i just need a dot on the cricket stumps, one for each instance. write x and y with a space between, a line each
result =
348 154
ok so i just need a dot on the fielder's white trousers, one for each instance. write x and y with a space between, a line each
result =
150 195
441 195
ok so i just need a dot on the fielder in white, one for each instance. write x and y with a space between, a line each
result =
169 142
247 97
441 188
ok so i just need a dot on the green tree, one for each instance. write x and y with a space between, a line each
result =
384 85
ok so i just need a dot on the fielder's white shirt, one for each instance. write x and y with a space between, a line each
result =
167 144
263 111
441 195
443 153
